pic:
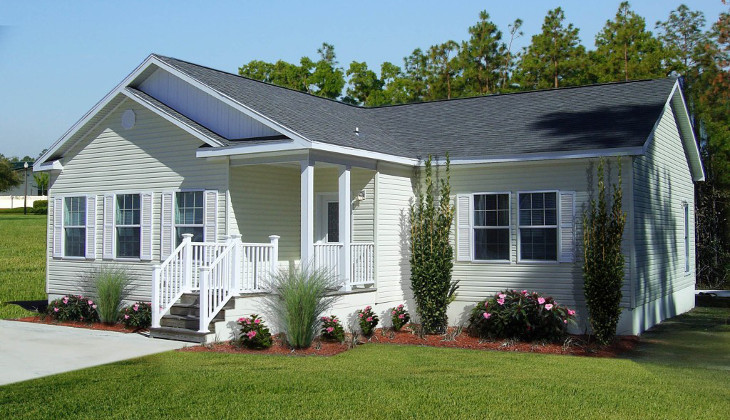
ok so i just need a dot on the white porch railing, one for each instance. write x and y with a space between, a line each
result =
260 261
362 260
327 257
218 283
168 282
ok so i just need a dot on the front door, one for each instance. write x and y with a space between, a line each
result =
328 226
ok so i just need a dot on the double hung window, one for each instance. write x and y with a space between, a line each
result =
491 227
538 226
127 225
189 215
74 226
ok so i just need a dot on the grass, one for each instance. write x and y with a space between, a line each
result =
387 381
22 261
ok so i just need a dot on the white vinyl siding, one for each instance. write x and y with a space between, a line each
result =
662 188
156 157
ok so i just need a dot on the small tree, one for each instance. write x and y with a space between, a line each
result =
603 266
431 252
8 177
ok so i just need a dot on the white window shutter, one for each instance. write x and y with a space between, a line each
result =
91 227
108 233
58 227
145 228
463 227
210 205
567 226
167 218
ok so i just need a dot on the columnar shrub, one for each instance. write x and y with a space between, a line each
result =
111 286
254 334
431 253
368 320
603 264
399 317
138 315
297 300
73 308
332 329
522 315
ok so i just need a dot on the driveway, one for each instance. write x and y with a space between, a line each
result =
29 351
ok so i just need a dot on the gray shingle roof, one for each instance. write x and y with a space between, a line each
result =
614 115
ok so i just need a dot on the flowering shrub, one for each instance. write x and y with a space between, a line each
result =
73 308
399 316
254 334
368 320
522 315
332 329
138 315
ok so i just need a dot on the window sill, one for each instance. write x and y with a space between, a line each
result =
64 258
547 262
498 262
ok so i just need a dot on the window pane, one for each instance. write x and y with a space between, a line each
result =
75 242
189 209
75 211
490 202
491 244
550 201
491 210
490 218
538 209
525 218
551 217
333 222
539 244
503 218
128 212
196 231
128 242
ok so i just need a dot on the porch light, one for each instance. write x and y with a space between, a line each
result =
357 131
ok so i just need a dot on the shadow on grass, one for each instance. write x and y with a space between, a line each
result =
699 338
30 305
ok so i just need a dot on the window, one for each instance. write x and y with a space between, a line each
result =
74 226
538 224
189 215
333 221
128 225
491 227
686 237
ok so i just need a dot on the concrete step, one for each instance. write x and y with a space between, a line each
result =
194 308
190 322
181 334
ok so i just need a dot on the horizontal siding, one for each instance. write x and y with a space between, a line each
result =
202 107
154 156
662 181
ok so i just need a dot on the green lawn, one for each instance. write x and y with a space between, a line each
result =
387 381
22 261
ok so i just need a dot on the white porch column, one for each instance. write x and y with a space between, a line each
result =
307 206
344 206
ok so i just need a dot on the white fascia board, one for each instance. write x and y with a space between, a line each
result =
232 102
54 165
690 141
93 111
531 157
277 146
189 129
352 151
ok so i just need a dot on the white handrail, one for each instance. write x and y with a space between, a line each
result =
217 283
169 281
202 255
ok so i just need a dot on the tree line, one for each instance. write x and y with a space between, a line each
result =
624 49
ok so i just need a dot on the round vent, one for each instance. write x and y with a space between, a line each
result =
128 119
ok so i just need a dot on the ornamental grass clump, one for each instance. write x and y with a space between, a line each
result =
297 300
254 333
111 286
73 308
138 315
520 315
367 320
399 317
332 329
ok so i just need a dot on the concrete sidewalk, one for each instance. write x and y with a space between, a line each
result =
29 351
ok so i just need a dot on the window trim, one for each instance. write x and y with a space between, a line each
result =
64 226
115 225
174 213
472 228
556 227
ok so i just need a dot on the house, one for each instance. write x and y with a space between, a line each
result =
200 182
25 193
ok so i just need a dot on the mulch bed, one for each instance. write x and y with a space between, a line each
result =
574 345
79 324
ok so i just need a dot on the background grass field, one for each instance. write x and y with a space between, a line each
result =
22 261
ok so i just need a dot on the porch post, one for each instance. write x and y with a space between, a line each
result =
307 217
187 261
344 216
237 260
156 271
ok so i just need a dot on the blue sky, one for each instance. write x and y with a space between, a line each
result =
58 58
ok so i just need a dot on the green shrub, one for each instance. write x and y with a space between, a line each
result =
332 329
111 286
73 308
431 252
254 334
399 317
522 315
603 263
367 320
40 207
138 315
297 299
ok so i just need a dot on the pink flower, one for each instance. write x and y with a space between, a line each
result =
65 300
126 316
524 293
361 315
392 313
571 312
251 334
540 300
135 307
400 306
330 329
500 301
91 302
367 308
324 318
248 321
487 315
502 296
549 306
93 306
486 304
565 321
55 309
401 316
258 321
369 319
240 319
